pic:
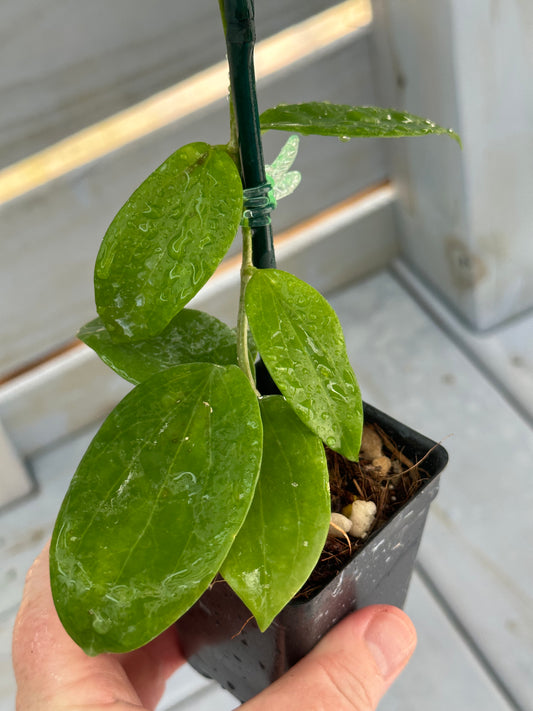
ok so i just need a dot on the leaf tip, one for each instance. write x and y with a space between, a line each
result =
456 137
264 623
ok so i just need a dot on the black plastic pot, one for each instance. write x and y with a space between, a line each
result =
222 643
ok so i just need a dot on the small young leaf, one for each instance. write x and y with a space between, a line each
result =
167 240
286 527
302 345
191 337
325 119
155 505
283 180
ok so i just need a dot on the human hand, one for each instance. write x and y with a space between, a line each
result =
54 674
349 670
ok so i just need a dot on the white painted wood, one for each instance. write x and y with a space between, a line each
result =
14 478
465 216
74 389
344 244
207 696
25 527
7 682
504 353
443 673
477 550
58 398
277 54
65 64
491 601
51 235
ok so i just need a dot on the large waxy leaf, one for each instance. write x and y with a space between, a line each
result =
302 345
286 527
325 119
192 336
167 240
155 505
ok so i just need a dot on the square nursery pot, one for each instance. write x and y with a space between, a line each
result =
221 642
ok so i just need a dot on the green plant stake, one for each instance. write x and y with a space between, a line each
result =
192 474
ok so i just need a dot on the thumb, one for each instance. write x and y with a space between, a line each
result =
350 668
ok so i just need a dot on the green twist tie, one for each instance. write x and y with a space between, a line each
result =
258 203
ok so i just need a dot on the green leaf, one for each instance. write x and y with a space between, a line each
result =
286 527
167 240
325 119
155 505
192 336
302 345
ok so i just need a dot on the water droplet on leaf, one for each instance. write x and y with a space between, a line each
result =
101 625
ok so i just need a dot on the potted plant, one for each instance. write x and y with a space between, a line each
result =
198 471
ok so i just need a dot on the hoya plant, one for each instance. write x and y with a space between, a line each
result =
194 473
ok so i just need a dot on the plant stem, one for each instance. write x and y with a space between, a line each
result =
247 270
233 144
238 21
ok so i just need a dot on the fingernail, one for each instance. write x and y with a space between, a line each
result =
391 639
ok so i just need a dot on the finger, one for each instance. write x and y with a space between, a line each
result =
52 672
350 668
149 668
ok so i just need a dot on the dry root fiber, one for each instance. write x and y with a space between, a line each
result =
379 484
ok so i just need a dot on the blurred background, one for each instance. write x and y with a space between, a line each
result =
424 250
